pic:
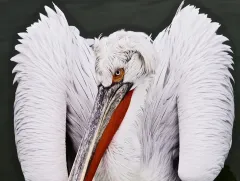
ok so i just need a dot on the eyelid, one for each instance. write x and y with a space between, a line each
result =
120 70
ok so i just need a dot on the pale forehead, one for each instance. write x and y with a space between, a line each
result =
120 41
119 45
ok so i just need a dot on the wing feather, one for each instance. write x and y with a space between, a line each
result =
191 90
55 75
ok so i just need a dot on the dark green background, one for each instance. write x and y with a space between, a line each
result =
106 16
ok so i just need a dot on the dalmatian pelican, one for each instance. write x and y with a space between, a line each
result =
123 107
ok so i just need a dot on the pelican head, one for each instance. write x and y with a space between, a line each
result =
128 52
123 61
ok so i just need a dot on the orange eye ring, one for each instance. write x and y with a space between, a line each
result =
118 75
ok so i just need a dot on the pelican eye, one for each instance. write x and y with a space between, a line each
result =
118 75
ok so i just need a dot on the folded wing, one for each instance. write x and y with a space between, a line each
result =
192 90
56 90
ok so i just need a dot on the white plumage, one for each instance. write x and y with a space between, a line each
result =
182 105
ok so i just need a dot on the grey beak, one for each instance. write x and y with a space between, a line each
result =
106 102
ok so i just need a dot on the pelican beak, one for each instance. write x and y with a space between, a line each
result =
107 100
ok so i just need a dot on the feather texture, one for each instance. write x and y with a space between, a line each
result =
55 75
182 106
191 89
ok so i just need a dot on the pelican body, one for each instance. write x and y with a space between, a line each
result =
123 107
